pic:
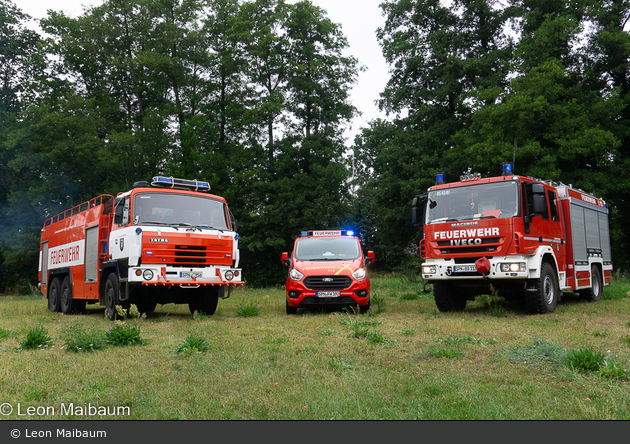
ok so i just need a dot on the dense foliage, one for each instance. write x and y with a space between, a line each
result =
253 97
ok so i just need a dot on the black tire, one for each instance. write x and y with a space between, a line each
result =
447 298
54 295
112 296
364 308
594 293
544 298
146 305
290 310
66 301
204 302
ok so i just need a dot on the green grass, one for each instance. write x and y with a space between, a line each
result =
403 360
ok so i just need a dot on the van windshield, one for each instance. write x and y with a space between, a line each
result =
179 210
327 249
497 199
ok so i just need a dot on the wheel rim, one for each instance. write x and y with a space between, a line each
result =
549 291
596 287
64 297
109 298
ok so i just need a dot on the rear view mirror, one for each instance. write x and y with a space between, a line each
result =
285 259
370 257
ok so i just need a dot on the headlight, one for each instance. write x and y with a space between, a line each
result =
513 267
147 275
359 274
229 275
428 269
295 275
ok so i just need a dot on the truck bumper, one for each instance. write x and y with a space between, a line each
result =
185 277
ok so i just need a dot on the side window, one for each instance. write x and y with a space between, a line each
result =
553 206
529 204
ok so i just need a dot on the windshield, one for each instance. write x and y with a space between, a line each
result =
179 210
499 199
327 248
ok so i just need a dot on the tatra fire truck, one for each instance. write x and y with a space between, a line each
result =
513 236
327 268
165 242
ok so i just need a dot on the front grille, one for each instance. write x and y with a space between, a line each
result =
327 282
488 245
190 254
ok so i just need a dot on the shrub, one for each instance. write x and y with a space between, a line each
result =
36 337
124 335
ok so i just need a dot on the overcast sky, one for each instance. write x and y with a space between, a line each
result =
359 20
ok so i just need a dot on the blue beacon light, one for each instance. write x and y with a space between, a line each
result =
507 169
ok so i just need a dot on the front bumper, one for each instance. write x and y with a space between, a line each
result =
298 295
503 267
189 276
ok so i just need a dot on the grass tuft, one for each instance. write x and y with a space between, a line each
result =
36 338
192 345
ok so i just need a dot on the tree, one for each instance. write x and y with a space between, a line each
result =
439 56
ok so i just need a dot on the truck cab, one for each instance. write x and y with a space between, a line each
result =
327 269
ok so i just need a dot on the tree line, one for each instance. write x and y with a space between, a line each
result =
253 96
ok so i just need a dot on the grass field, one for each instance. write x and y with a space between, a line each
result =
403 360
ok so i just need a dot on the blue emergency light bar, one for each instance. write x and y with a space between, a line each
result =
180 184
317 233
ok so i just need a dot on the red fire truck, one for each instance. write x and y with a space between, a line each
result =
165 242
513 235
327 269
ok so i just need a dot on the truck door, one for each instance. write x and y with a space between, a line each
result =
543 220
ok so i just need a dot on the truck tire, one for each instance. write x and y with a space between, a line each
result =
54 295
290 310
446 297
204 302
546 291
594 293
66 301
112 296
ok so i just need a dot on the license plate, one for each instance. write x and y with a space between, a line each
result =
328 294
190 274
464 268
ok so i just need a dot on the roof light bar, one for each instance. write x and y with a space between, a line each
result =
180 184
319 233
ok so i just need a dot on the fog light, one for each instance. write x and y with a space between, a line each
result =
428 269
361 293
147 275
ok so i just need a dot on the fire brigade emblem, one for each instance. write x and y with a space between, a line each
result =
122 244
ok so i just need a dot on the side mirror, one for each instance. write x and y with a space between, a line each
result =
370 257
119 210
285 259
416 203
539 201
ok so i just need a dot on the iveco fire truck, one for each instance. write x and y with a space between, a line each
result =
327 268
512 235
165 242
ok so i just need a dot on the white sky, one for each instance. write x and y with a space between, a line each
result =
359 20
